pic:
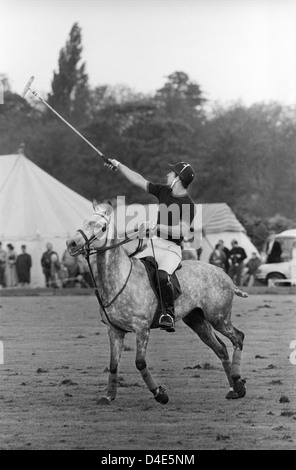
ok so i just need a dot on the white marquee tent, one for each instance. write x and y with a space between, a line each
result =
220 223
36 208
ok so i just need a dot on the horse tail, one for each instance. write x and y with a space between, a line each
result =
240 293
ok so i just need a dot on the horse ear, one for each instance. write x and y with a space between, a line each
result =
94 204
109 208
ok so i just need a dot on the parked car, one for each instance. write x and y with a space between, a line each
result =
277 267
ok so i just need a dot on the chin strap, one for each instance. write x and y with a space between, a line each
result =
174 182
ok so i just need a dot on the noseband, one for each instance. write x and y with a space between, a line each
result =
86 247
88 241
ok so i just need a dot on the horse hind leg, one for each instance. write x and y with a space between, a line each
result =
159 392
197 322
116 339
236 337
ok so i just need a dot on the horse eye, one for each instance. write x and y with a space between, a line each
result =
104 228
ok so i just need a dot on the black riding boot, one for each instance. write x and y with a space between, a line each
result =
167 318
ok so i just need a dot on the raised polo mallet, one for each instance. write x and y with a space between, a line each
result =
28 87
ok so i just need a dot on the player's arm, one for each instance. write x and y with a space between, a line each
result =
132 176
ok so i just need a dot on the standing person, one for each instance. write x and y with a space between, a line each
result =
175 216
188 252
252 265
226 251
3 256
273 249
23 267
48 261
218 257
72 266
10 270
55 270
237 255
84 275
199 252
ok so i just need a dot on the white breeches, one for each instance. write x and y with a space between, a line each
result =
167 254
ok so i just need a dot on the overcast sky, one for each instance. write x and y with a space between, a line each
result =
234 49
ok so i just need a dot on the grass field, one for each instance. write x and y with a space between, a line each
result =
56 356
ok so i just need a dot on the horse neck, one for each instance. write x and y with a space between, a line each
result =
113 266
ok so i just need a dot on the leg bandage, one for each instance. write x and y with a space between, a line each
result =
236 361
148 379
112 385
227 367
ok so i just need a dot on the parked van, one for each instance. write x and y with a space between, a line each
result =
276 257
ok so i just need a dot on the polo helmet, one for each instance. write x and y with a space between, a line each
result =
184 171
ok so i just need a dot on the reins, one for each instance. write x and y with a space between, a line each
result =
109 247
88 251
103 307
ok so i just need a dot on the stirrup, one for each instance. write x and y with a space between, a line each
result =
166 322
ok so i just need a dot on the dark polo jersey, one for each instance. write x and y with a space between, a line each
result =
172 209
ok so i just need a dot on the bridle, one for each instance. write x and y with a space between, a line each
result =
89 241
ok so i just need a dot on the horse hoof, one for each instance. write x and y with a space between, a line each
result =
231 395
103 401
239 387
161 396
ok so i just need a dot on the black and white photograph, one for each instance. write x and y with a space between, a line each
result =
147 228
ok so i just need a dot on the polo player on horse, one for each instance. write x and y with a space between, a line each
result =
174 219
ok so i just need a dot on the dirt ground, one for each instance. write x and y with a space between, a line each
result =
56 355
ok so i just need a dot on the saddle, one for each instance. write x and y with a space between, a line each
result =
151 268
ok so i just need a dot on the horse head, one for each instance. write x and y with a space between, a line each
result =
95 231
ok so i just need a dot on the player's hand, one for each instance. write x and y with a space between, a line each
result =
111 164
147 229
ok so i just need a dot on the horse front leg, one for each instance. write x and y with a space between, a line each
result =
116 339
159 393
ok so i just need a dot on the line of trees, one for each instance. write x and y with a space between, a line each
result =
244 156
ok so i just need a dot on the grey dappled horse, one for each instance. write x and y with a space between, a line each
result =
128 303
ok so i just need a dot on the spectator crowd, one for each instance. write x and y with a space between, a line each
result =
69 271
15 268
232 261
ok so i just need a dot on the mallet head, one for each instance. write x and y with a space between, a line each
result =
27 87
